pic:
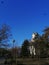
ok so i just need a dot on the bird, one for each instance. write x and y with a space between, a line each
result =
2 2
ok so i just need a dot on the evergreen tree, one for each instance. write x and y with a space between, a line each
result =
24 49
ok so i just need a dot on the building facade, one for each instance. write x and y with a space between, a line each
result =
32 47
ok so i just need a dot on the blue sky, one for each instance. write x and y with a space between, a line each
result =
24 17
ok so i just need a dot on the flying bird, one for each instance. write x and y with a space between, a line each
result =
2 2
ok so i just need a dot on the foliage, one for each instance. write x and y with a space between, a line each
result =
43 43
24 49
46 39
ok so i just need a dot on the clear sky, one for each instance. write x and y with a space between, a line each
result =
24 17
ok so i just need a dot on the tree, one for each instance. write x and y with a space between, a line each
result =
46 34
43 43
40 46
46 38
4 35
24 49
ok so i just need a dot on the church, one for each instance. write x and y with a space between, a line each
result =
32 45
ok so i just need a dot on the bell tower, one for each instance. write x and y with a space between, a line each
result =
33 37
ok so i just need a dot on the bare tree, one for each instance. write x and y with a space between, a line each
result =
4 38
4 35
